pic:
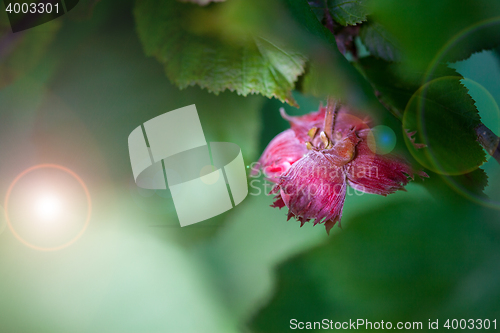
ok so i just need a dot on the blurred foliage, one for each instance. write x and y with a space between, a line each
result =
411 263
134 269
343 12
330 73
347 12
202 2
426 28
379 42
21 52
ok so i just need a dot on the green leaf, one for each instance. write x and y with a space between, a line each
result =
194 57
444 116
380 42
348 12
438 107
472 183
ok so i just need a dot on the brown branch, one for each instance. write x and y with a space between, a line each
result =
489 141
329 22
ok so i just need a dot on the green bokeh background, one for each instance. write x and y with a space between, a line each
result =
428 253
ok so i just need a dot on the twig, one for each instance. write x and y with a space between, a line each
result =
489 141
329 22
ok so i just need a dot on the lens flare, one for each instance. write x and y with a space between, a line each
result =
385 139
48 207
46 204
3 223
487 107
440 154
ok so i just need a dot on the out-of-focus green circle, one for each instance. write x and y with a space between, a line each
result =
488 110
446 133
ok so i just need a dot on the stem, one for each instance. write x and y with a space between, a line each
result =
332 109
329 22
489 141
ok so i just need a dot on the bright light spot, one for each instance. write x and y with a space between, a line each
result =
385 139
48 207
